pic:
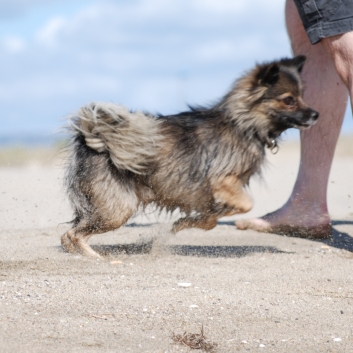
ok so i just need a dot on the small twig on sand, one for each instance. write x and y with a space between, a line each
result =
102 317
195 341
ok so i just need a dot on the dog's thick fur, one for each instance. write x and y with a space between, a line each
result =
198 161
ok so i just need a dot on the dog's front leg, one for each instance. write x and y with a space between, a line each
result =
229 192
206 222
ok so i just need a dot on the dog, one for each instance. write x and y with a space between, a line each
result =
199 161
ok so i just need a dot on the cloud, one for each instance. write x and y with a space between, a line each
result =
48 34
164 34
16 8
146 54
13 44
13 8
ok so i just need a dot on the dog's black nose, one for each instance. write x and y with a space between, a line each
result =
314 114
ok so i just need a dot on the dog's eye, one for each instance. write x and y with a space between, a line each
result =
289 101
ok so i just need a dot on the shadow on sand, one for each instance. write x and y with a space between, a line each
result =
223 251
339 240
186 250
129 249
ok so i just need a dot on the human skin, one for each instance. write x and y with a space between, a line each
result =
328 79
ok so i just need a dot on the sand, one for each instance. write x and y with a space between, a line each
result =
249 291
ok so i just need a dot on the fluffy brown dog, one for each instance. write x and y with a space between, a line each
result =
198 161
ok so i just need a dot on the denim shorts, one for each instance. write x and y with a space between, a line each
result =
325 18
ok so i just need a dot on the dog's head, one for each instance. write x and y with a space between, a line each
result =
281 100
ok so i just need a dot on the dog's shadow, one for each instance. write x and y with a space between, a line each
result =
129 249
185 250
223 251
339 240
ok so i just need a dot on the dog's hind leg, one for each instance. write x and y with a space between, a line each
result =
75 240
103 199
67 243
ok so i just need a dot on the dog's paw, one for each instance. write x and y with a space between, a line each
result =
67 244
177 227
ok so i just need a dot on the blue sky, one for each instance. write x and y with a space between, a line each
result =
156 55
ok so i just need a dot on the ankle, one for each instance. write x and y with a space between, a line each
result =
307 205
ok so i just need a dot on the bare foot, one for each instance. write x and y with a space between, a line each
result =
303 222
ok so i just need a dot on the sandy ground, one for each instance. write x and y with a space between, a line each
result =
249 291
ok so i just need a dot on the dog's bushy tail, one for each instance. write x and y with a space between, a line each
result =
130 138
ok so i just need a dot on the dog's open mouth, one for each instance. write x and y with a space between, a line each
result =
303 125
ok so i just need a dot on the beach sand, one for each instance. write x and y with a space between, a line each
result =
249 291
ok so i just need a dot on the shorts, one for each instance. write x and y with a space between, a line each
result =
325 18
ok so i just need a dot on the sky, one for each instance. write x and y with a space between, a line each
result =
153 55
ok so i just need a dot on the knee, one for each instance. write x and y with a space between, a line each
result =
340 48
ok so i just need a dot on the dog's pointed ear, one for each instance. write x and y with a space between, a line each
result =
268 75
298 62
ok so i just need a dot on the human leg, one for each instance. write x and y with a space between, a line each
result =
305 213
340 49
